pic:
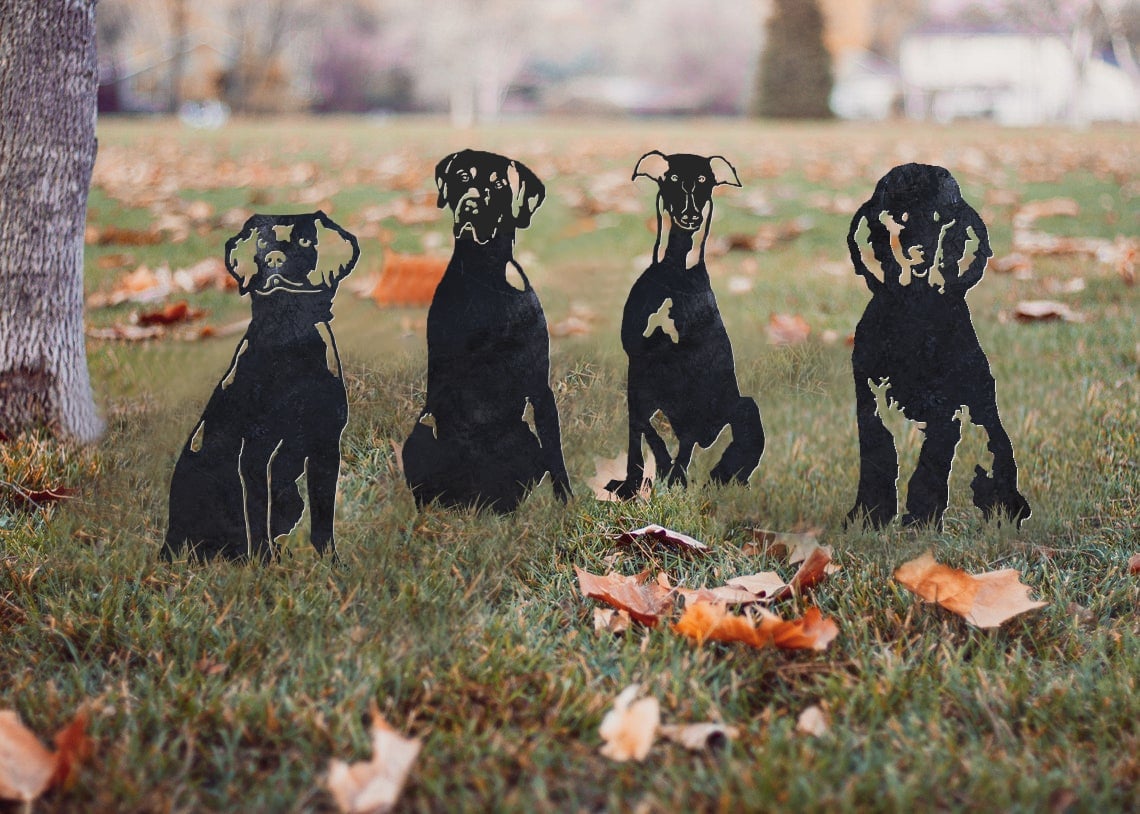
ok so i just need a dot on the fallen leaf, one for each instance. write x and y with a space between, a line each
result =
812 721
27 768
1044 310
705 621
610 620
23 498
175 312
610 469
726 594
408 279
630 728
780 543
766 584
812 571
664 535
371 787
984 600
1134 564
699 737
787 329
645 600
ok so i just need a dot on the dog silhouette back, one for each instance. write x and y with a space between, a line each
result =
489 430
279 410
680 357
920 247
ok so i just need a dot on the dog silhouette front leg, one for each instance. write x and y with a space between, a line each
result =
877 498
321 475
742 456
550 436
999 490
255 462
929 487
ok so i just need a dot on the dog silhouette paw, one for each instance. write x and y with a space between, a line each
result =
995 498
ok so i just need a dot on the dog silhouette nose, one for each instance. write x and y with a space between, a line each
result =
275 259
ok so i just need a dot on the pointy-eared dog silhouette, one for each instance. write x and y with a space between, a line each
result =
280 408
680 358
919 246
489 429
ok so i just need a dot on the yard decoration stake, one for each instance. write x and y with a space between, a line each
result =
489 431
920 247
280 409
680 357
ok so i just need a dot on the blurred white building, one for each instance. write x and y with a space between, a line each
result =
1013 78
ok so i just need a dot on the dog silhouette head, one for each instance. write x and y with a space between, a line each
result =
278 255
488 194
685 183
917 231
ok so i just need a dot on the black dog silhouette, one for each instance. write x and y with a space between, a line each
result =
924 247
281 407
489 430
680 359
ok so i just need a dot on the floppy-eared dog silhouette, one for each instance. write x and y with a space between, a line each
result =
281 407
489 429
919 246
680 358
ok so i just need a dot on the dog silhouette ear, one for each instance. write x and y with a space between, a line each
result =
337 252
529 192
241 255
860 245
969 233
723 172
653 165
441 170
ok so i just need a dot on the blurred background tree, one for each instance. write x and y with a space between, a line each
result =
794 81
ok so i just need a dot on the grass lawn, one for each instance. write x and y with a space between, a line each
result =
228 688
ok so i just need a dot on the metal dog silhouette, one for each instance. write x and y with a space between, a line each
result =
680 358
489 429
919 246
281 407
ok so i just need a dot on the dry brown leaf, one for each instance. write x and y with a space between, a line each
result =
372 787
787 329
175 312
725 594
812 721
608 469
1134 564
644 599
610 620
630 728
672 538
1044 310
984 600
699 737
765 584
27 768
573 325
795 545
23 498
812 571
707 621
408 279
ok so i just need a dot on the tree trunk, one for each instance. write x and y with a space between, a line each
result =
48 85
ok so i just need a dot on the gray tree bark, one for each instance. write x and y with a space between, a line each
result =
48 84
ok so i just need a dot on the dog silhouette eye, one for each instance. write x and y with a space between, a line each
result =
261 244
701 179
305 242
673 177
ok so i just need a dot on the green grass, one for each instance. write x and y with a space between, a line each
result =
228 688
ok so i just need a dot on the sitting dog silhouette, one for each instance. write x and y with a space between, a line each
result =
281 407
680 358
489 430
919 246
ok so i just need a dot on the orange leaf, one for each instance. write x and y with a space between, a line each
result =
175 312
704 621
984 600
27 768
408 279
630 728
644 600
1134 564
787 329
